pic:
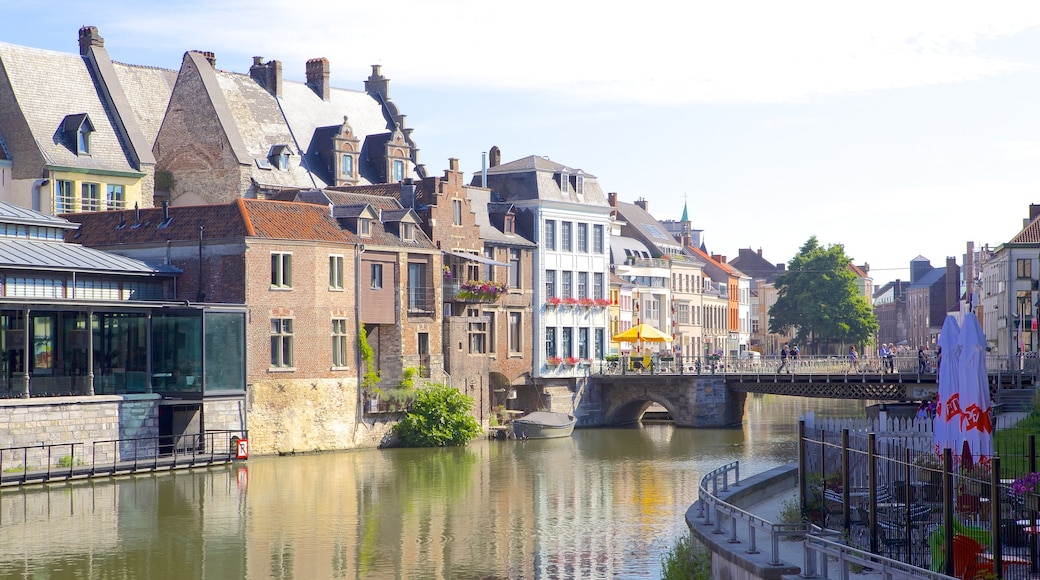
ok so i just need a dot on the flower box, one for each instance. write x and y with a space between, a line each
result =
586 302
602 302
554 361
570 361
553 301
569 301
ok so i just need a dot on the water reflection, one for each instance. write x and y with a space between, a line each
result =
604 503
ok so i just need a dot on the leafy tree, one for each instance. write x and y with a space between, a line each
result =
818 297
439 417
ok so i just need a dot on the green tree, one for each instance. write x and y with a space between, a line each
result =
370 378
439 417
819 298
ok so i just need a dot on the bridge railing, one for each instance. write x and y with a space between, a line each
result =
669 363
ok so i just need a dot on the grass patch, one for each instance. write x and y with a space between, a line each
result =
686 561
1011 442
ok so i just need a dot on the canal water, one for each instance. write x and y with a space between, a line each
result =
605 503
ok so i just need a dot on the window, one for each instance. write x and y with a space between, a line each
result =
83 139
565 284
579 184
336 272
364 227
282 159
456 212
398 170
567 342
583 285
281 270
90 196
652 308
598 353
408 232
583 343
115 197
597 285
477 337
64 197
281 342
507 225
346 167
550 235
515 332
550 283
490 330
1024 267
583 238
418 292
682 313
564 181
339 342
550 342
377 276
514 268
565 237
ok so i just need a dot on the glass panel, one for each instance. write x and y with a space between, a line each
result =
225 361
120 353
177 352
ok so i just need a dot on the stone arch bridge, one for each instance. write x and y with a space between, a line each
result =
708 400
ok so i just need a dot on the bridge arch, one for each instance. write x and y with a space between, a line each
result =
631 411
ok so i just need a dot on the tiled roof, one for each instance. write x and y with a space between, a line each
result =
1029 234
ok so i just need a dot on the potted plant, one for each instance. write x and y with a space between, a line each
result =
1027 488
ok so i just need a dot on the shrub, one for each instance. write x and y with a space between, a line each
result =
439 417
685 561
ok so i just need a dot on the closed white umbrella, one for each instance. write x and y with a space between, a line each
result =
975 426
945 429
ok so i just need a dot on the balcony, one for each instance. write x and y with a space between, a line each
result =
474 291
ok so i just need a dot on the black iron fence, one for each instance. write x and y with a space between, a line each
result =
888 492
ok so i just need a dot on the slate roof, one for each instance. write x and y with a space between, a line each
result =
535 178
47 86
618 245
148 90
753 264
643 226
479 198
931 278
381 204
4 155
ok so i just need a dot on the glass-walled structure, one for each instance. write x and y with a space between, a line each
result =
66 350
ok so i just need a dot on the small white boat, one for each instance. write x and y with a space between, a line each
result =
543 425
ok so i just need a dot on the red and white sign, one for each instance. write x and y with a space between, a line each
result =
242 449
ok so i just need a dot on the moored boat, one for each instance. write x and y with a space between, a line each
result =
543 425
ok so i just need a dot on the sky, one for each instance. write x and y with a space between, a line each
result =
897 129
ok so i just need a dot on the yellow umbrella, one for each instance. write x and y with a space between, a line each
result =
642 332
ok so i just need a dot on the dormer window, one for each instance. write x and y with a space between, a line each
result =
579 184
364 227
564 181
398 171
507 226
407 232
77 129
279 156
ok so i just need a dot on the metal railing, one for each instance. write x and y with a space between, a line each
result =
818 548
67 461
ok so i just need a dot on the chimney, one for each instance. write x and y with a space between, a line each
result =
209 56
318 76
88 37
496 156
760 252
408 193
267 74
781 268
166 210
453 165
641 202
612 199
1034 211
377 83
717 257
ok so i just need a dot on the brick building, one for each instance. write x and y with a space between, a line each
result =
292 263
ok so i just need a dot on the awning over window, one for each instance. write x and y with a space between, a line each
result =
476 258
